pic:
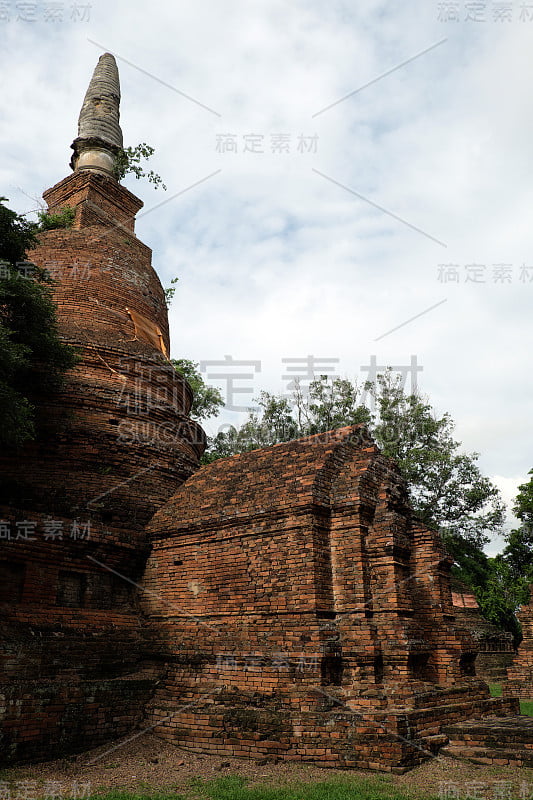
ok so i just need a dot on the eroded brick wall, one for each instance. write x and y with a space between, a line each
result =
301 611
520 672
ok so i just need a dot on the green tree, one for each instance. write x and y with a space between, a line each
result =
518 552
446 487
500 594
32 357
523 507
274 423
507 586
447 490
330 404
223 445
61 219
17 235
170 291
207 400
503 585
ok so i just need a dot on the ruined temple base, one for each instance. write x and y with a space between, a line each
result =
393 740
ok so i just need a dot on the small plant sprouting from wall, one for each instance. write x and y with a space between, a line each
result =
169 292
61 219
128 160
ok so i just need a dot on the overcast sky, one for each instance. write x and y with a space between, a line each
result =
388 214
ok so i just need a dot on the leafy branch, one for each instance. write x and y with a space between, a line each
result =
128 160
170 291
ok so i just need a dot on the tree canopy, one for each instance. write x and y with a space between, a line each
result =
447 489
17 235
511 572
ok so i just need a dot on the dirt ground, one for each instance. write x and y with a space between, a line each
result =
147 763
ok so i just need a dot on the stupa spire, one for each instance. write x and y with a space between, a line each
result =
99 134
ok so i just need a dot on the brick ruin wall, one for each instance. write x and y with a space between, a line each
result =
520 672
301 612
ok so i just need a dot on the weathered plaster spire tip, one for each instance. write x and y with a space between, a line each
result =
99 134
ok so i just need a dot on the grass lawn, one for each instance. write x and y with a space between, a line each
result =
526 706
234 787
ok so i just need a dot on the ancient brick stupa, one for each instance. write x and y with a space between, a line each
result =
293 604
115 443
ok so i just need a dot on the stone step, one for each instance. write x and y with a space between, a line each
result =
493 740
456 709
479 755
449 696
493 731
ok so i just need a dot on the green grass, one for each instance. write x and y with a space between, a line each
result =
495 689
234 787
526 707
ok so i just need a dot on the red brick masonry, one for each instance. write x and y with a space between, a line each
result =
303 612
